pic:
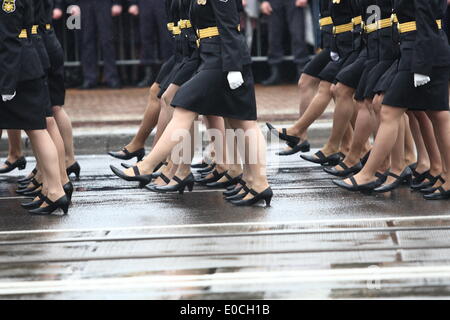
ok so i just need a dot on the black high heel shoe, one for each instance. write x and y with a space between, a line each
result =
208 169
439 194
62 203
222 185
233 190
355 187
201 165
321 159
238 195
28 179
124 154
303 146
26 190
75 169
347 170
431 182
292 140
188 183
266 195
216 177
34 204
68 189
33 194
142 179
20 164
419 178
405 177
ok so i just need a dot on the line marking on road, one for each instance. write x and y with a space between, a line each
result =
368 275
233 224
221 235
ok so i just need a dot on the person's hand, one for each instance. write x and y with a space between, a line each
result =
266 8
8 97
334 56
133 10
244 3
74 10
57 14
420 80
301 3
235 79
116 10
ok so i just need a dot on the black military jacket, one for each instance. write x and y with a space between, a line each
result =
19 60
427 47
342 12
230 45
326 31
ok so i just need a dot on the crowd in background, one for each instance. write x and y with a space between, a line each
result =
129 40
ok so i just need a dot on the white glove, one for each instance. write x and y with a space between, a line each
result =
420 80
8 97
334 56
235 79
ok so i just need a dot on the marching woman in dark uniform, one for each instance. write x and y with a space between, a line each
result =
421 83
345 45
38 186
136 147
25 96
223 86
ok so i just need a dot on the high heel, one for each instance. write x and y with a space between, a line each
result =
320 158
439 194
142 179
235 190
222 185
76 169
238 195
28 179
124 154
62 203
431 182
20 164
26 190
292 140
68 189
405 177
266 195
303 146
188 183
34 204
347 170
355 187
216 177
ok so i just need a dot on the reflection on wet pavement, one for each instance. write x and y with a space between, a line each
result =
316 241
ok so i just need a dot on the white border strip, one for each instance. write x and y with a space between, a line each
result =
235 224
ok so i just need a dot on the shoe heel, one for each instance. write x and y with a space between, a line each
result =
190 186
77 174
305 149
409 180
22 167
65 208
268 201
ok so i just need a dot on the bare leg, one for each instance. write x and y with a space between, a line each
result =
15 146
384 143
307 86
65 128
53 131
410 151
398 163
423 160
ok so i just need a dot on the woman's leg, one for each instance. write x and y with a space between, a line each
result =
343 113
177 128
65 128
14 146
385 141
47 154
410 151
315 109
54 133
423 160
441 124
307 86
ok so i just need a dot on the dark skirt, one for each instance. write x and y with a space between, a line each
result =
332 69
374 77
181 73
430 97
56 72
364 79
165 70
351 74
318 63
27 111
208 93
385 80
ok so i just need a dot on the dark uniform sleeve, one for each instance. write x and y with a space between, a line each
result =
227 19
427 37
133 2
10 51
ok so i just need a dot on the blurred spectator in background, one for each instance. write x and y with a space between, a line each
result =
156 44
97 24
252 10
282 12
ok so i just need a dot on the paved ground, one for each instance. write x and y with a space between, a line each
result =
125 107
316 241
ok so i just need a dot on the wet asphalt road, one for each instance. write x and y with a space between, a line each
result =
316 241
